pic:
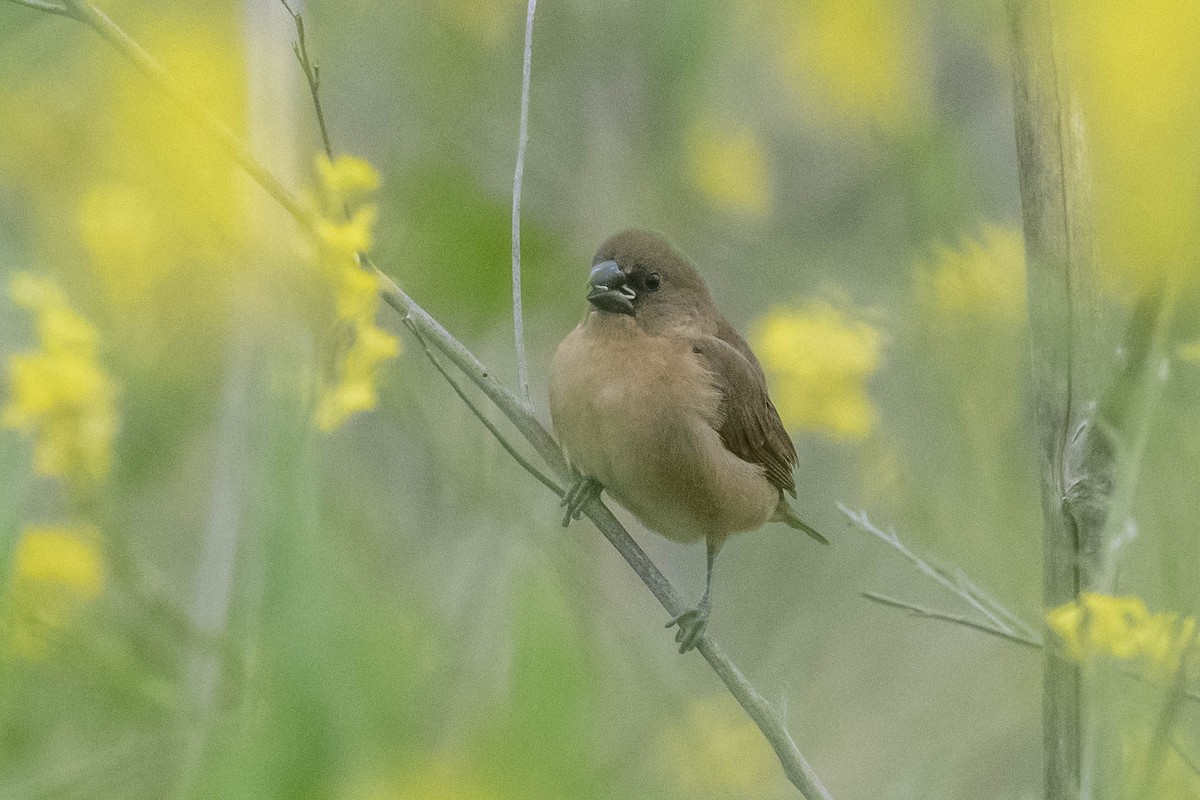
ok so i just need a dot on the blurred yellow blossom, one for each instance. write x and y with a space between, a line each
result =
982 278
441 777
1188 351
819 359
715 751
60 393
1137 68
1124 629
856 60
55 571
729 168
348 179
345 228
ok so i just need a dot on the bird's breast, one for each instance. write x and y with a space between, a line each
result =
640 413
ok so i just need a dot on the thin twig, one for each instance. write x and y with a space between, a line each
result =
518 175
795 766
927 613
47 6
939 576
487 423
312 74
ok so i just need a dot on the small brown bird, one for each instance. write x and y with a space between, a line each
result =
659 401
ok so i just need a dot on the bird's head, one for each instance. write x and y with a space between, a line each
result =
638 274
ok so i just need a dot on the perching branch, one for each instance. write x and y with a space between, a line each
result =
795 766
518 175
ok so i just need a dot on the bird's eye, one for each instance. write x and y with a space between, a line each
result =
653 281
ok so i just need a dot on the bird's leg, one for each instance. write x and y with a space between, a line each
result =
693 622
578 494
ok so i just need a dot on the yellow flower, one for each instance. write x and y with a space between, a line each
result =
856 59
1124 629
984 279
348 179
345 228
716 752
354 390
1137 71
341 242
55 571
1189 352
60 393
819 359
729 168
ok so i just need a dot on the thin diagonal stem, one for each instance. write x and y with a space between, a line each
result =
862 522
927 613
45 5
518 176
312 74
108 30
436 360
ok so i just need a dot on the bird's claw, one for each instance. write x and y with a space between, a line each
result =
577 496
692 625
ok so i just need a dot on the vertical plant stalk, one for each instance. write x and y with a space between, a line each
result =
1070 366
767 719
518 177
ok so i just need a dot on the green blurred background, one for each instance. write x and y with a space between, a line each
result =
391 610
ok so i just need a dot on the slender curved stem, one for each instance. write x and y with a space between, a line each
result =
518 176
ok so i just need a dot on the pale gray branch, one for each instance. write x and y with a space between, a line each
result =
965 590
920 611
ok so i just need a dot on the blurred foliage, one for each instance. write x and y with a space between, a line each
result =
249 607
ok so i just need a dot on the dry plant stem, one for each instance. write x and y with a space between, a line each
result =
768 720
312 74
964 588
927 613
518 176
1071 359
48 7
436 360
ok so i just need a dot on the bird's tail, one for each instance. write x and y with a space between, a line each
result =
786 514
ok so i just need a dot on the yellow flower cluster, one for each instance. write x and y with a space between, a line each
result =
1124 629
819 359
60 393
1137 68
729 169
982 278
345 228
856 60
56 571
716 751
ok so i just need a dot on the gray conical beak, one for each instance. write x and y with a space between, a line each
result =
609 290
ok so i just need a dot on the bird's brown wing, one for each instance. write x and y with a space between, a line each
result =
750 425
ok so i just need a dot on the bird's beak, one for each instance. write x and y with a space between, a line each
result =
609 291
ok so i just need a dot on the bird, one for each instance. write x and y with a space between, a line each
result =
658 401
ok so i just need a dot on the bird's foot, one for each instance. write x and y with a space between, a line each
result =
692 624
577 496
